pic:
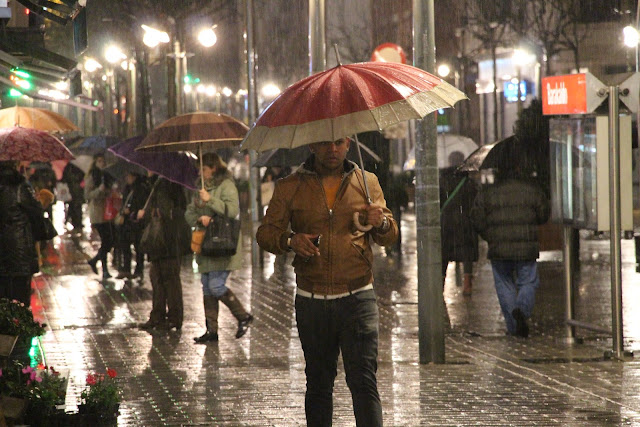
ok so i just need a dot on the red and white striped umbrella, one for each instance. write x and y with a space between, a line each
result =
346 100
28 144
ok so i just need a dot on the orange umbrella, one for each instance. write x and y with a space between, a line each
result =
35 118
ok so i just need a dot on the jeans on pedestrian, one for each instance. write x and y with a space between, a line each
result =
213 283
167 291
516 283
326 328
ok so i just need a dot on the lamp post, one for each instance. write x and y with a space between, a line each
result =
91 66
114 55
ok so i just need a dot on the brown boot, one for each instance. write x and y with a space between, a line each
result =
211 314
238 311
467 284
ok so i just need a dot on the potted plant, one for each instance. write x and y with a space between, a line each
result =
38 392
100 399
16 320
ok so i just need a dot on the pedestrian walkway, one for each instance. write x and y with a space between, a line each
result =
488 378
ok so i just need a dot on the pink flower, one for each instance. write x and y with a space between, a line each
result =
16 321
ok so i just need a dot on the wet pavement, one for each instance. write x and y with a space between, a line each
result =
488 378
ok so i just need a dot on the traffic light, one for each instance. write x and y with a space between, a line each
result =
21 78
14 93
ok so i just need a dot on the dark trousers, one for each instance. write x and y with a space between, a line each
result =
107 235
326 328
16 287
167 291
130 237
74 214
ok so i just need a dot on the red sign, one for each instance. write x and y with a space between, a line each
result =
564 94
389 52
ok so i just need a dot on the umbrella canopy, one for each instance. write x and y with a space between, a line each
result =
93 144
18 143
35 118
176 167
346 100
205 131
284 157
500 154
121 168
450 148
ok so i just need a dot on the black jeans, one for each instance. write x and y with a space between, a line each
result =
107 237
327 327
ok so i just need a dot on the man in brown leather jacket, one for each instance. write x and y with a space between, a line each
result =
336 308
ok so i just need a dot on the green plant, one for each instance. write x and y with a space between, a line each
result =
17 319
102 393
44 387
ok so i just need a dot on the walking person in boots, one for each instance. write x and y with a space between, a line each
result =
219 195
97 186
336 308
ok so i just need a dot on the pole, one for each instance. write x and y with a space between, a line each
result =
317 39
615 222
568 280
431 309
519 89
254 179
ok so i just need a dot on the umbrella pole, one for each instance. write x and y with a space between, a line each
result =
356 215
366 187
200 156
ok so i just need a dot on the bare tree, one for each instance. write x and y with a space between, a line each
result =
573 33
488 23
349 26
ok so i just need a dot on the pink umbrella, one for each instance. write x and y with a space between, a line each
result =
18 143
346 100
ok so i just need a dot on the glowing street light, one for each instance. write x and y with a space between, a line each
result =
153 37
270 90
444 70
630 36
207 37
91 65
113 54
521 57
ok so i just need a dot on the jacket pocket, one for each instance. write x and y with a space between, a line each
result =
362 253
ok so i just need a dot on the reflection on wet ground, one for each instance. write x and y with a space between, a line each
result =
489 378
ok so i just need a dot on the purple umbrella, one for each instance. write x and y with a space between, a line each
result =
174 166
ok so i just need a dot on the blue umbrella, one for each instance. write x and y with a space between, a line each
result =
93 144
174 166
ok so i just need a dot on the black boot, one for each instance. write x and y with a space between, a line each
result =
207 337
211 316
92 263
105 271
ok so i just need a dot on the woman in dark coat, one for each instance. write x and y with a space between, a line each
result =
459 240
19 212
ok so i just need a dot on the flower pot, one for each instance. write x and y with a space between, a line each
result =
12 407
6 344
98 416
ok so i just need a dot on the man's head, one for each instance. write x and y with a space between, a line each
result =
330 155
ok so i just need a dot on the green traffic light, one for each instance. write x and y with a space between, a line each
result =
187 79
14 93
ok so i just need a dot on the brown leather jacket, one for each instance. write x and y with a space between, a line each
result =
345 257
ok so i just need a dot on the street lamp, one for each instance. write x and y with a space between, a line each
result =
444 70
153 37
113 54
207 37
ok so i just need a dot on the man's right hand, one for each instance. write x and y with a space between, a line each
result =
302 244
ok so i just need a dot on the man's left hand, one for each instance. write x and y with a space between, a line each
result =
375 215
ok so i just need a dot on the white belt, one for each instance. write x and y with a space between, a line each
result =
307 294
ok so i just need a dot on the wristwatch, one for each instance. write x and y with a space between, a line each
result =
289 240
385 224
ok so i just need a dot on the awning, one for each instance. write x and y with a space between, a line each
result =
61 12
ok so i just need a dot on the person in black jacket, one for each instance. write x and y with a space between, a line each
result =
19 212
507 216
73 177
459 239
167 203
134 197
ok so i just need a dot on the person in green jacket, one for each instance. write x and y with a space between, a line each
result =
219 195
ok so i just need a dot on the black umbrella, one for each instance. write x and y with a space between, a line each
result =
283 157
499 155
120 169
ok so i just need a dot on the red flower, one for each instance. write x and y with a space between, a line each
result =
91 379
112 373
16 321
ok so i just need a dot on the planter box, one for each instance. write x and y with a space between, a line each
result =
6 344
12 407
